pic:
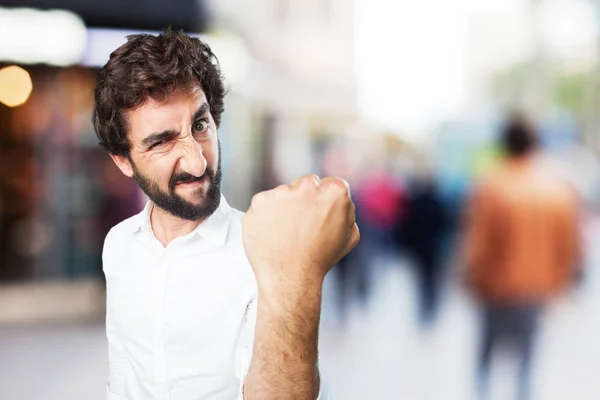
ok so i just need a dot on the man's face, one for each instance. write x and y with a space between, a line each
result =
175 154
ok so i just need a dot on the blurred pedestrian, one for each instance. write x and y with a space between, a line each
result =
381 197
421 235
521 248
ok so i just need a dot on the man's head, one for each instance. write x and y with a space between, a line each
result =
158 104
518 137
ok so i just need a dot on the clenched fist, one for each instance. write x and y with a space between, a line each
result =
294 234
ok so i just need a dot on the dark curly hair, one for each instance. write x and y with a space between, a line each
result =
152 67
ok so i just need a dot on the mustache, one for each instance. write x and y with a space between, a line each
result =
185 177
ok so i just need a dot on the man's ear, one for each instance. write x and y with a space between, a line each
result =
124 165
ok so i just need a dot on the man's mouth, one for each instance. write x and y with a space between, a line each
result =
191 181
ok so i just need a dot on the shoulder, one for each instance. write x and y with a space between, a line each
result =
121 231
119 238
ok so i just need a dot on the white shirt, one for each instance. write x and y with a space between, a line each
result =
180 320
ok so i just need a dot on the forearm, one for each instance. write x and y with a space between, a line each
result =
293 235
285 355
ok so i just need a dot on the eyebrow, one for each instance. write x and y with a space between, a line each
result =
158 136
203 109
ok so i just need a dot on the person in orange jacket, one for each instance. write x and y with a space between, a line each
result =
521 248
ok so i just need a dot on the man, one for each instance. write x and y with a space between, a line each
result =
204 302
521 247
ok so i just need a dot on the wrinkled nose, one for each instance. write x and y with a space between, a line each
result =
192 158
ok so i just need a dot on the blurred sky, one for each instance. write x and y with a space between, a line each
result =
401 60
417 61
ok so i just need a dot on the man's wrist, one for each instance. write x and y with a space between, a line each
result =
296 297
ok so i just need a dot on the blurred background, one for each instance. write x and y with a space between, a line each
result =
404 99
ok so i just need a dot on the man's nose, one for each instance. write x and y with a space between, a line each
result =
192 158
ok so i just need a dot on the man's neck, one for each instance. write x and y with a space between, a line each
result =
167 227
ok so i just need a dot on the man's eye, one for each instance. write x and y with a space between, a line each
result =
200 125
157 144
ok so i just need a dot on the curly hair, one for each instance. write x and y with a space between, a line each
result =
152 67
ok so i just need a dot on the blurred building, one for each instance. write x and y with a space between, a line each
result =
301 82
190 15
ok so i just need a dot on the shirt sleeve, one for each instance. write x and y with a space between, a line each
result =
117 360
244 353
117 356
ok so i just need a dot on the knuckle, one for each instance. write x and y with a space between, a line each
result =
314 180
281 191
281 188
311 178
336 186
258 199
308 182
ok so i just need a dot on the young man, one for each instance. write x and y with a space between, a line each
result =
203 301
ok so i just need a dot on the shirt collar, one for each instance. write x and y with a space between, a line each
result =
213 229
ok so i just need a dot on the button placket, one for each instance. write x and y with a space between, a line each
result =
161 276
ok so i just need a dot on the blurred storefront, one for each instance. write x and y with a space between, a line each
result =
301 84
55 181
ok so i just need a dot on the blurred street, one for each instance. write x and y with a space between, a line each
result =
380 354
470 135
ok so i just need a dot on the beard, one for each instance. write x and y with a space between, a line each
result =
176 205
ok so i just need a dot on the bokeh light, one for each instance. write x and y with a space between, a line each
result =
15 86
30 36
